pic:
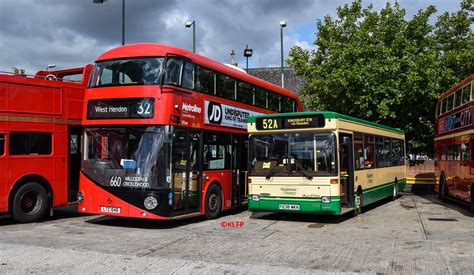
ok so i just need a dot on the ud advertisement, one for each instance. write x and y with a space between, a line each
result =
226 115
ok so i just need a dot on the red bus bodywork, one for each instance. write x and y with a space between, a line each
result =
45 104
454 143
182 109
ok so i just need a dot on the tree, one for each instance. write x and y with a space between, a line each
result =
382 67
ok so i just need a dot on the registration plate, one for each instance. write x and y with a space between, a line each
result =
289 207
110 209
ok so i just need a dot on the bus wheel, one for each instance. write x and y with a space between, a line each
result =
395 190
472 198
30 203
442 192
358 202
213 202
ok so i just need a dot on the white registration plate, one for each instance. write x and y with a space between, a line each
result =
289 207
110 209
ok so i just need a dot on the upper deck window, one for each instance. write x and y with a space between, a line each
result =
138 71
449 103
466 94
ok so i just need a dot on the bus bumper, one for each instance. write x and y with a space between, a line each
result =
295 205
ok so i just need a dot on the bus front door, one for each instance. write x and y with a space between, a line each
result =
186 167
74 161
346 157
239 167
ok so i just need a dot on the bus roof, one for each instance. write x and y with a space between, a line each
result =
327 115
155 50
457 86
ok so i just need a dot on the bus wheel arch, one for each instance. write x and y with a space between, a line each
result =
213 204
442 189
471 205
358 201
30 189
395 189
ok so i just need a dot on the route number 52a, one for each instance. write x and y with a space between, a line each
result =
269 123
144 108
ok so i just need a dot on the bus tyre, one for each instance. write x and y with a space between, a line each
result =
395 190
213 202
471 205
442 191
30 203
358 203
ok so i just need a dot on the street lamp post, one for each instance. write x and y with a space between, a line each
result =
123 16
282 25
247 53
188 24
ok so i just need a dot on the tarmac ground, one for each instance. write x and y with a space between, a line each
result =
413 234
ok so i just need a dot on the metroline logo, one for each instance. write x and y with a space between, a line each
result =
191 108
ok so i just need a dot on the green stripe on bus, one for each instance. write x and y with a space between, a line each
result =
376 193
327 115
313 206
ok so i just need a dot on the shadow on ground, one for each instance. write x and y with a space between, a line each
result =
313 218
65 212
155 224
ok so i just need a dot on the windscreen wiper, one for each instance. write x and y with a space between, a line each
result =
304 171
273 169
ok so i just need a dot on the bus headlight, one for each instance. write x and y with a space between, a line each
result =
325 199
255 198
80 197
150 203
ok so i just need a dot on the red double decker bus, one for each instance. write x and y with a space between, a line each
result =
40 131
165 133
454 143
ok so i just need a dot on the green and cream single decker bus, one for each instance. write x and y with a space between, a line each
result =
322 163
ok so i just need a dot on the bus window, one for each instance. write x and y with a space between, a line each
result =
205 80
369 151
23 143
358 151
2 144
397 157
260 97
188 76
173 71
286 105
245 93
465 151
225 87
216 151
472 149
457 98
273 102
449 152
438 110
443 106
449 103
457 152
466 94
383 149
442 153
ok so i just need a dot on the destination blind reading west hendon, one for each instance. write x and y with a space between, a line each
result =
121 108
290 122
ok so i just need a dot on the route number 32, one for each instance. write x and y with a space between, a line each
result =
144 108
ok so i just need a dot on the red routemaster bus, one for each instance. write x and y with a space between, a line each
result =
454 143
165 133
40 131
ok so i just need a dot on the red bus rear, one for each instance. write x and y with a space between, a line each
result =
454 143
40 131
165 133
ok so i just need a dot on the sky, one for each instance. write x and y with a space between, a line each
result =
72 33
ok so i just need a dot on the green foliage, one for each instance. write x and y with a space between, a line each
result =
380 66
